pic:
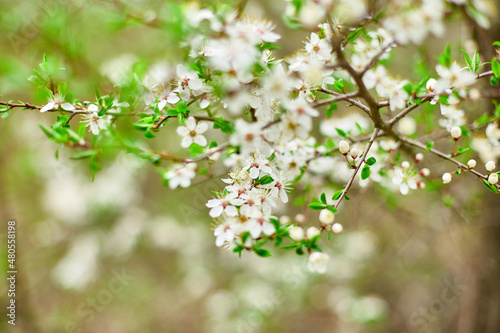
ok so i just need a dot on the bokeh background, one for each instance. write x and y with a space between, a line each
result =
126 254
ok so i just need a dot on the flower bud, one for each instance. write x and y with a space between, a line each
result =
419 157
296 233
420 185
431 84
405 164
318 262
300 218
326 217
490 166
344 147
337 228
471 164
425 172
312 232
456 132
447 178
284 219
493 179
354 153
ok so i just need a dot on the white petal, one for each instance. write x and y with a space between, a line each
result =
254 172
283 196
201 140
237 202
48 107
182 131
173 98
191 123
204 103
161 104
268 228
201 128
213 203
195 84
93 108
68 106
404 189
216 211
186 141
231 211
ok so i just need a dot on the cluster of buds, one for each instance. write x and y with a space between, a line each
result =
471 164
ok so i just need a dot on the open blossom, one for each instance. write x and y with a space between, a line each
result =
318 262
94 121
192 133
188 82
55 102
250 137
456 77
180 175
225 205
257 164
318 48
224 234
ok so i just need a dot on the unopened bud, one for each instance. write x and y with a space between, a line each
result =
493 179
354 153
344 147
405 165
447 178
419 157
471 164
312 232
425 172
431 84
456 132
296 233
300 218
326 217
284 219
420 185
490 166
337 228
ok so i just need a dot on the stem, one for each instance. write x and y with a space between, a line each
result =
363 157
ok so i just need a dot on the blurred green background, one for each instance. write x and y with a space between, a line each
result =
125 254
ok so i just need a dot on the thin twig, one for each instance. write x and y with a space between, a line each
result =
363 157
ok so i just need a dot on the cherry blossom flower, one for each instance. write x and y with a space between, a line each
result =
318 262
56 102
94 121
180 175
192 133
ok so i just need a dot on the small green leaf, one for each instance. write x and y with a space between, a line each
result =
323 198
445 58
365 173
262 252
332 209
317 205
495 67
467 60
429 145
337 194
371 161
341 132
84 154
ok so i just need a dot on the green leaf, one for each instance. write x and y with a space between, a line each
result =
264 180
497 44
337 194
317 205
494 80
365 173
445 58
354 35
84 154
332 209
291 246
341 132
339 85
467 60
371 161
323 198
490 187
48 132
429 145
495 67
262 252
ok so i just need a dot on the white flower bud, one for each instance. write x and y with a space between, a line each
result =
405 164
337 228
447 178
490 166
493 179
425 172
471 164
300 218
326 217
456 132
318 262
284 219
431 84
474 94
344 147
419 157
354 153
312 232
296 233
